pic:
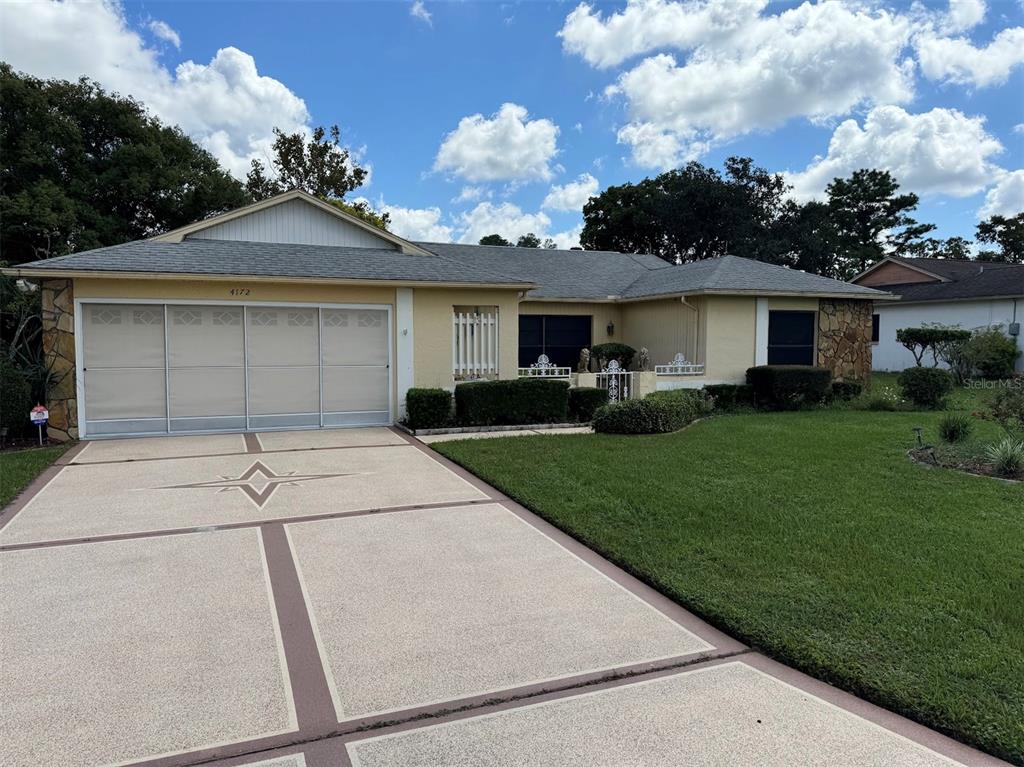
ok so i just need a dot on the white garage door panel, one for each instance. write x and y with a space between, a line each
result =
122 393
279 390
123 336
282 337
355 390
207 391
355 337
230 367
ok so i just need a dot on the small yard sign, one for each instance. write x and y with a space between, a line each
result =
39 416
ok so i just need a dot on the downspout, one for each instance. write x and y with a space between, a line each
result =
696 331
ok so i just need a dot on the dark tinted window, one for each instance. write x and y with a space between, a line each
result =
790 338
874 328
557 336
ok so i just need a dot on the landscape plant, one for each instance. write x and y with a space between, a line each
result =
1006 457
584 401
518 401
789 387
1007 408
926 387
428 408
991 353
955 427
605 353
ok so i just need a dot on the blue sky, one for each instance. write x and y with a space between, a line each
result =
597 94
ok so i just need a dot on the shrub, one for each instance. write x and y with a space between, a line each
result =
603 353
15 398
428 408
991 353
846 390
955 427
729 396
1007 408
693 403
934 338
926 387
519 401
584 400
1006 457
880 403
638 416
787 387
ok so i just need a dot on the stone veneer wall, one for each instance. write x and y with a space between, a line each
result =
58 300
844 338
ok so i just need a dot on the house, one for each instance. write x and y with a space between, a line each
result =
290 313
971 294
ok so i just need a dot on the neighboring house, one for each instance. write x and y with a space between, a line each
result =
971 294
290 313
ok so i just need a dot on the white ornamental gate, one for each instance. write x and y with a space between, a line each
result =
617 381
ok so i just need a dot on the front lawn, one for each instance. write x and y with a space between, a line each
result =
19 467
811 536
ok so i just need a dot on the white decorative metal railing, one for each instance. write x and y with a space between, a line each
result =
545 368
680 367
617 381
475 344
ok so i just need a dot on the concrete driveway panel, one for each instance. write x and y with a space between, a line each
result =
730 714
326 438
416 608
121 498
124 650
147 448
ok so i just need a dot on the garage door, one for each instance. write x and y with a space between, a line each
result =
179 368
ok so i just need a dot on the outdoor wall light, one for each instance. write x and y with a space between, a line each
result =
611 328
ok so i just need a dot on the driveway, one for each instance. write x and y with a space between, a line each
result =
350 598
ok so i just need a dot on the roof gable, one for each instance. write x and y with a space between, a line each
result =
292 218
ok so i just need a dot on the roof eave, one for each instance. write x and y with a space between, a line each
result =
877 296
44 274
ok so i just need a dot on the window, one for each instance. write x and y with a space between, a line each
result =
874 328
558 336
791 338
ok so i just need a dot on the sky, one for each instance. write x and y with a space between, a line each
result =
481 117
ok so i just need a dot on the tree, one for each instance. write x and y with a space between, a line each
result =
83 169
528 240
804 238
1007 234
320 167
871 220
955 248
688 214
494 239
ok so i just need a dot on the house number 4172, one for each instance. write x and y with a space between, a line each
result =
240 291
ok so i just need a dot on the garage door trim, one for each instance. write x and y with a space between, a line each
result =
164 303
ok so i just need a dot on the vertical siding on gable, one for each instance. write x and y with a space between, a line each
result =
294 222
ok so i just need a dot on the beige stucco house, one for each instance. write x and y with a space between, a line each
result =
290 313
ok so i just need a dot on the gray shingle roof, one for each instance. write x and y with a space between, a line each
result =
266 259
558 274
967 279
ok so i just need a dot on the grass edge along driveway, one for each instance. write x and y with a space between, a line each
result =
812 537
19 467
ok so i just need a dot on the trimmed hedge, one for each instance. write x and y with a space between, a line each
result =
728 396
505 403
428 408
787 387
585 400
657 413
926 387
845 391
613 351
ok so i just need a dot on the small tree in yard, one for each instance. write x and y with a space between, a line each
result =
918 341
951 345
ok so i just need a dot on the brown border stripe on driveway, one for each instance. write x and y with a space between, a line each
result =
36 485
252 443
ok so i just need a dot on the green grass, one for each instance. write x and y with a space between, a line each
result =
19 467
812 537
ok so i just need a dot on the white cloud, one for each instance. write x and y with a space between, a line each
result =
505 219
1019 128
506 146
646 25
568 239
816 61
225 105
938 152
957 60
471 194
963 15
165 32
572 196
418 11
1006 198
418 223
